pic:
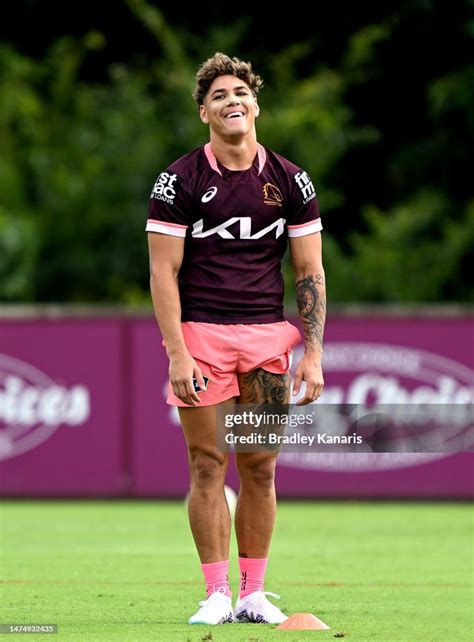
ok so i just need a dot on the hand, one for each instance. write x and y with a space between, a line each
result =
309 370
181 372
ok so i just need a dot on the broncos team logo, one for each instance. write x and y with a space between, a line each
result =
272 195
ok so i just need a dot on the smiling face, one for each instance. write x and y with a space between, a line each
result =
229 108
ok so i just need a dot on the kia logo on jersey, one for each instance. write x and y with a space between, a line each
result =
207 196
245 229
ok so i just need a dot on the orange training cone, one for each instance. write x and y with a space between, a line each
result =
302 621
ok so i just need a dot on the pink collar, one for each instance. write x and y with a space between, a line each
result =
262 157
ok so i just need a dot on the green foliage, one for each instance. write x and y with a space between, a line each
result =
78 160
18 254
411 252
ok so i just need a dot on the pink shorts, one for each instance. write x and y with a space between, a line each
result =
222 351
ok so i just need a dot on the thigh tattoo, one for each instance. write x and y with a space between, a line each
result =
262 387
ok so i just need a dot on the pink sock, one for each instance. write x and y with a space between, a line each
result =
216 575
252 573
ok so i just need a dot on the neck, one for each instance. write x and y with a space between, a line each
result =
234 155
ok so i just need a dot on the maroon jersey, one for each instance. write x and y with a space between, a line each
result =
236 226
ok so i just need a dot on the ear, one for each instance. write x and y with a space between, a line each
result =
203 114
257 108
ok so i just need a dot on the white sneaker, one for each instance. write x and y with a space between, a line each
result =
256 608
217 609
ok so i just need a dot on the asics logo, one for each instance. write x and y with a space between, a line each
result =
245 229
211 192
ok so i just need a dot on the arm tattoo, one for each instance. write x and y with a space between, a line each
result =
311 301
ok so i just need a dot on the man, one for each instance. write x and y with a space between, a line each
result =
219 220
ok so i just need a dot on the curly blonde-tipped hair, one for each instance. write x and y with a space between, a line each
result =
222 65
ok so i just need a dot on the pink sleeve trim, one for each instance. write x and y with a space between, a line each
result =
305 228
152 220
172 229
294 227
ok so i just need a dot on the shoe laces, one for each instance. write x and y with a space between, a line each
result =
208 603
263 594
264 603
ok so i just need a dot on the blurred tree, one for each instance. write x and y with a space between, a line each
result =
411 253
380 121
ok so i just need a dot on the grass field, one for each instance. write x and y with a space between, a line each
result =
129 571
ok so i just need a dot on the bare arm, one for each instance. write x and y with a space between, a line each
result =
306 254
166 256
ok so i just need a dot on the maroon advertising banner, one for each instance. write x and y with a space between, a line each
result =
381 360
83 412
61 407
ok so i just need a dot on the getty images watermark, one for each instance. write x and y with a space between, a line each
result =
346 428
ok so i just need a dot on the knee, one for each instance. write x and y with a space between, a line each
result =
260 472
206 468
